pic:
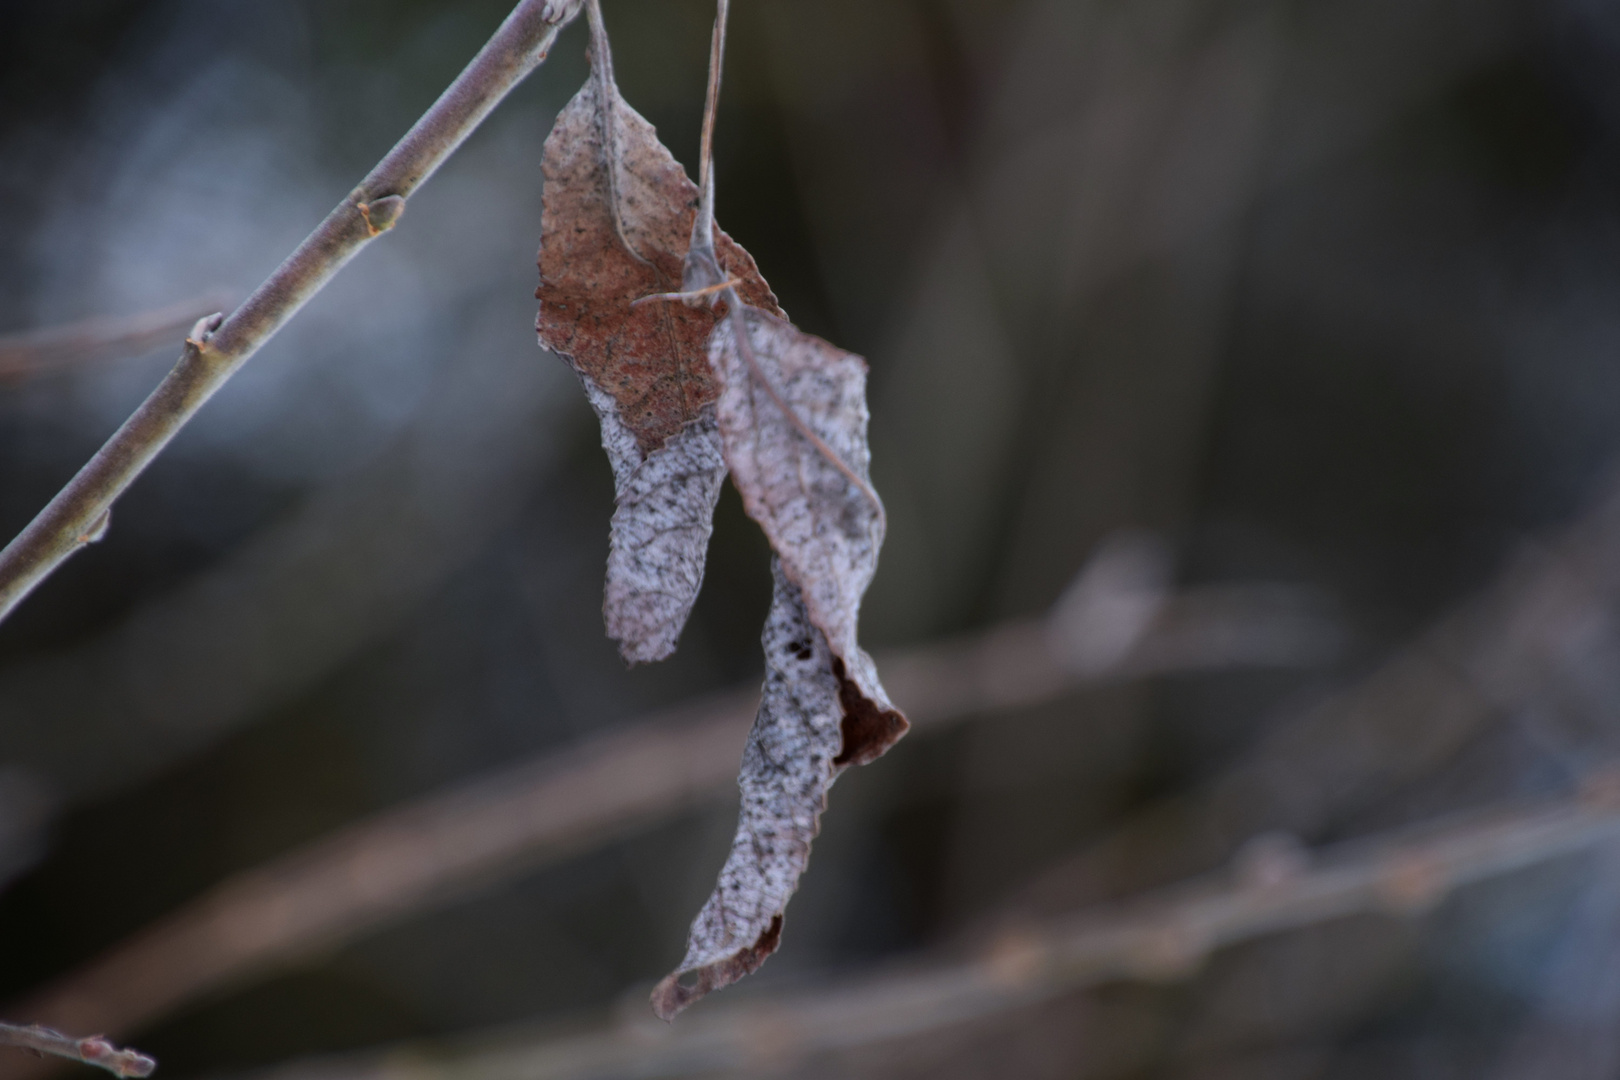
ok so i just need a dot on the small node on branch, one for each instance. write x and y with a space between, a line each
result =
381 214
92 1050
97 529
204 329
557 12
96 1050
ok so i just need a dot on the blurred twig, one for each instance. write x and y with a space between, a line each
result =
409 859
37 352
93 1050
216 350
1483 660
1275 885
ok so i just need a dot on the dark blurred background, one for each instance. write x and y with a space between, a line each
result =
1322 295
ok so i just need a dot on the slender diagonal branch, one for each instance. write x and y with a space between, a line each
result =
37 352
215 353
92 1050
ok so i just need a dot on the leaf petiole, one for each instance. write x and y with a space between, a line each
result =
684 297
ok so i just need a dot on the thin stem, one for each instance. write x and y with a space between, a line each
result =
703 277
711 104
702 270
92 1050
516 49
607 118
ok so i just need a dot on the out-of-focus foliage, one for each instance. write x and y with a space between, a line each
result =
1323 293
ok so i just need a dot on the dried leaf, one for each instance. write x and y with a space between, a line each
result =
792 756
791 416
794 428
815 502
617 218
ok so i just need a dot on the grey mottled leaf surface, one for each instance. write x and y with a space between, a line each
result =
822 708
791 759
662 519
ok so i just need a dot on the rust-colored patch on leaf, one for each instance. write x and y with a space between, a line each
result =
617 222
868 728
652 358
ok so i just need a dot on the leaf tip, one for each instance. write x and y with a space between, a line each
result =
670 997
636 651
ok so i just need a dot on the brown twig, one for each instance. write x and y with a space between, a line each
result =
38 352
1162 936
701 271
711 101
92 1050
211 358
410 859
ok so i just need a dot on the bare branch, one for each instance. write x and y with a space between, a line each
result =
92 1050
371 543
208 360
37 352
1162 936
427 852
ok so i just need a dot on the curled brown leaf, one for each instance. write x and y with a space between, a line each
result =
616 220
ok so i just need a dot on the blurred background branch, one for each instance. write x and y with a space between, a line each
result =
435 850
1319 298
1548 617
1275 885
36 352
